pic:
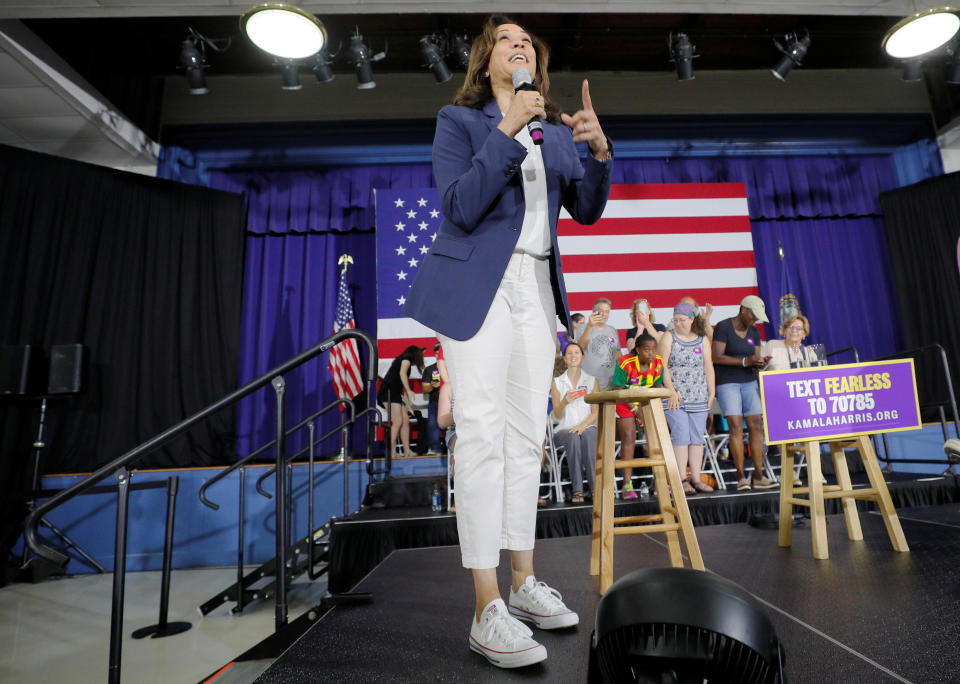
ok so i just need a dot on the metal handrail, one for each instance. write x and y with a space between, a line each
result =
272 469
30 534
856 355
256 452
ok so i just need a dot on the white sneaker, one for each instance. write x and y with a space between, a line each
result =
504 640
541 605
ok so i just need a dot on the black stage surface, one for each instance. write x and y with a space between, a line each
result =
868 614
364 539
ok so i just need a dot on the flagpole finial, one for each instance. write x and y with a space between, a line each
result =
779 250
345 260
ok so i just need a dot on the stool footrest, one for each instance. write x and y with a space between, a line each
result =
638 463
629 519
867 493
648 529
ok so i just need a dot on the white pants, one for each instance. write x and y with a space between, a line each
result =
501 380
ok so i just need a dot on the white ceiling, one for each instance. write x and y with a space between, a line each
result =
45 106
31 9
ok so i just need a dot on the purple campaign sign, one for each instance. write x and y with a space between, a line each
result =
807 404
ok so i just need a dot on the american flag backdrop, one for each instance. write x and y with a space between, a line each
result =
344 359
658 241
662 242
407 224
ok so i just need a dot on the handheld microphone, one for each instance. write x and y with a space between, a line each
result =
522 81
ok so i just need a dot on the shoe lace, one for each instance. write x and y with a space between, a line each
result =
507 628
546 595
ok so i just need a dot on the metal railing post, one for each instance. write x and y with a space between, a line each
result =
344 455
280 478
241 506
119 575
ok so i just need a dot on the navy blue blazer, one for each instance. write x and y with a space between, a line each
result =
477 169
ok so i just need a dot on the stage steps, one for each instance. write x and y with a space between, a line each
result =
257 584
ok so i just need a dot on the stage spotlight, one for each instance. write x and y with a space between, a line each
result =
682 54
912 70
793 54
358 54
461 49
322 66
193 62
433 56
921 33
290 74
681 625
283 30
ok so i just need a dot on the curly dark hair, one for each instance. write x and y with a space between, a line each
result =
476 91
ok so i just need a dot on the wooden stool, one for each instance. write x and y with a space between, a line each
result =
818 492
674 515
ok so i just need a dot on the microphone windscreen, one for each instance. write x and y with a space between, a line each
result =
521 77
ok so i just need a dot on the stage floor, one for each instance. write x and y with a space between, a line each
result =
868 614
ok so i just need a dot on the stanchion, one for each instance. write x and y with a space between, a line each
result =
164 628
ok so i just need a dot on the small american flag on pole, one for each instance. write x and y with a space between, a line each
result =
344 359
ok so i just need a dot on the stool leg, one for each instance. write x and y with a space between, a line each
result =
786 491
656 424
609 417
599 487
849 504
887 509
817 511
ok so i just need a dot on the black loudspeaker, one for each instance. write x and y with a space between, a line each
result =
66 369
20 367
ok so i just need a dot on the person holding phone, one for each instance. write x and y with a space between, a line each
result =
576 431
736 360
600 343
643 322
492 287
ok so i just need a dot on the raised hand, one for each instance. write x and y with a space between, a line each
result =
586 126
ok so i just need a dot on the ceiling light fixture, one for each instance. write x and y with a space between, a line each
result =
461 49
322 63
283 30
921 33
682 54
290 74
433 56
793 54
358 54
193 61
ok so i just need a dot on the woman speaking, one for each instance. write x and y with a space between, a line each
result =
492 287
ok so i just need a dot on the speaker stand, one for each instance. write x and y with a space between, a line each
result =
26 560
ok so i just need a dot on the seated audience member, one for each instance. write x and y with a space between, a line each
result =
600 343
445 422
565 337
643 368
576 431
686 352
642 317
736 360
790 352
431 392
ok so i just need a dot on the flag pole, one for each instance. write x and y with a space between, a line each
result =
345 260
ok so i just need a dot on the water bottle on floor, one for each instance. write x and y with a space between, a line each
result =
644 490
435 499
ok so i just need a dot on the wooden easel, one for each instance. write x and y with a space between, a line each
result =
674 515
817 493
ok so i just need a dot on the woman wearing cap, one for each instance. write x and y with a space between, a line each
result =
491 286
736 360
686 352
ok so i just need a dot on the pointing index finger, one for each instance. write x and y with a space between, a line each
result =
587 103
